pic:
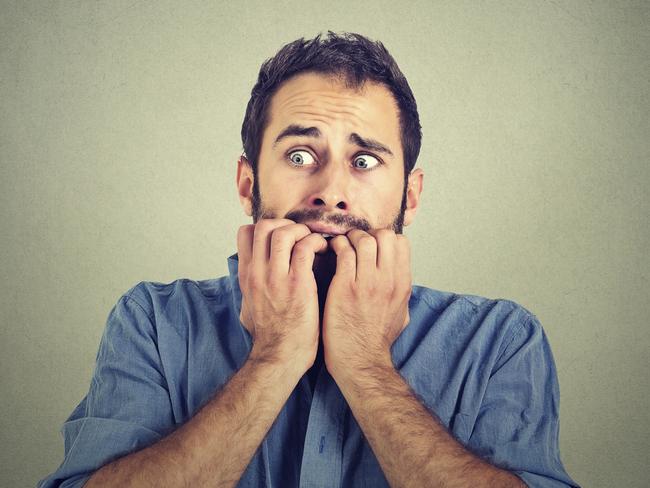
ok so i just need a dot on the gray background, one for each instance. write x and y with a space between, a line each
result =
120 132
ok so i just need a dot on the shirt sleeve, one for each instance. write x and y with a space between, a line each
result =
517 426
127 406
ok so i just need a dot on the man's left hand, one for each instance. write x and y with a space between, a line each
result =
366 307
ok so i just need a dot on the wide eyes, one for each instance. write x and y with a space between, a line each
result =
366 161
300 157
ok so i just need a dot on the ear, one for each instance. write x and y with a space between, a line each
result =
244 182
413 191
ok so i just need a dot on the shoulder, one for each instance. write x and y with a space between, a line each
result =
175 307
473 304
494 320
155 297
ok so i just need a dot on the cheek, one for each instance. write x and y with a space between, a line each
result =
282 190
382 201
382 193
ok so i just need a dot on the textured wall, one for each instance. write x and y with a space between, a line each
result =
119 133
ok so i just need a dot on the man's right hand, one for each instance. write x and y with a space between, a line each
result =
279 293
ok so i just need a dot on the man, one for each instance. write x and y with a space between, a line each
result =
316 362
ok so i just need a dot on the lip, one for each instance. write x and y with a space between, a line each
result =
325 229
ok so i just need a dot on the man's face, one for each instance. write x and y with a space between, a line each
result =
331 158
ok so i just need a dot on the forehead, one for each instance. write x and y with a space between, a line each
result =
325 101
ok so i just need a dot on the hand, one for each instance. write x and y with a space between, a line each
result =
367 302
279 293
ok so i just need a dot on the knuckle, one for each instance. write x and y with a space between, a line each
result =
306 241
388 290
242 229
282 230
278 238
347 254
264 225
254 284
245 231
367 241
299 260
268 225
300 247
303 227
299 255
242 273
372 287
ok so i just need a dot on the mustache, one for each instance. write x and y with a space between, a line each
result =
315 214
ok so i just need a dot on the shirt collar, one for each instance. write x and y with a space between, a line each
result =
233 270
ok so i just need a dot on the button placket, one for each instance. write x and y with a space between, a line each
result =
322 456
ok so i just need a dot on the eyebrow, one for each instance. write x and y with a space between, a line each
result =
300 130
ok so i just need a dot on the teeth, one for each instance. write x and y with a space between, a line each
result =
326 235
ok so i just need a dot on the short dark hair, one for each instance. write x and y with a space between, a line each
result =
350 57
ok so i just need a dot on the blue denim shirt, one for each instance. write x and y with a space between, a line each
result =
483 366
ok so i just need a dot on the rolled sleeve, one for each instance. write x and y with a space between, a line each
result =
127 407
517 426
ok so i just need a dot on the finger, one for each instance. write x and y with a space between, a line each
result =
283 239
304 252
407 319
386 249
365 247
346 258
244 248
262 242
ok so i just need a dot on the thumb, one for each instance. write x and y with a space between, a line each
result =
407 320
244 316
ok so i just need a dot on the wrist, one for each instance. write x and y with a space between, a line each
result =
361 373
280 360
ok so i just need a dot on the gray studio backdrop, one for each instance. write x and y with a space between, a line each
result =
118 140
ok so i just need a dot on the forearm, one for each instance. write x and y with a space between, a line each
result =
217 444
413 448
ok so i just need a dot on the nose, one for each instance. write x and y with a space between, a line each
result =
331 189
